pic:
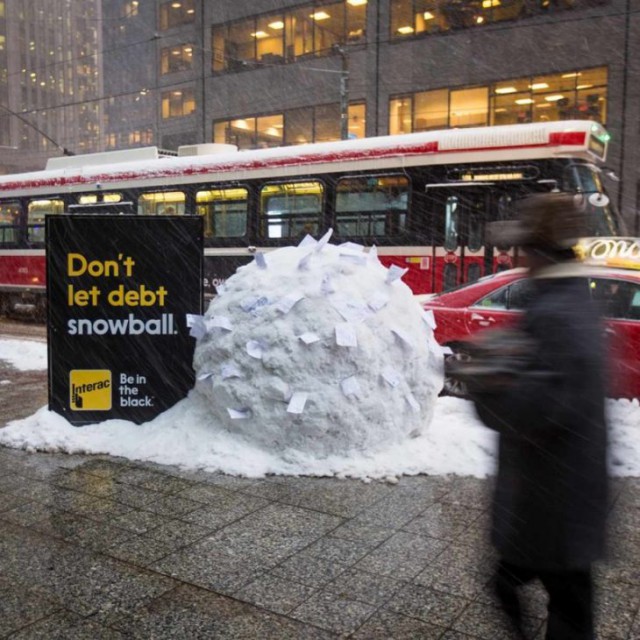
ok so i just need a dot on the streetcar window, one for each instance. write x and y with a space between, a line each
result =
451 237
372 205
601 218
162 203
94 198
36 212
224 212
9 222
292 209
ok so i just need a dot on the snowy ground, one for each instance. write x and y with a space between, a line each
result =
455 442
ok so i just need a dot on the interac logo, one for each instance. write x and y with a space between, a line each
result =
90 390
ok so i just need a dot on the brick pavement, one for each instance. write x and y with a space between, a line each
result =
101 547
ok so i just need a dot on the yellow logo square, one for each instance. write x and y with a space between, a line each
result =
90 390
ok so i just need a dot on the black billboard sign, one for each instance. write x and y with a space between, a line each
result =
119 288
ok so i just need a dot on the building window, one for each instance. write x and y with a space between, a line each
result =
580 95
295 126
179 102
274 38
176 12
178 58
420 17
129 8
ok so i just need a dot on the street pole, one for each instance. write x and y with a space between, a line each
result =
344 95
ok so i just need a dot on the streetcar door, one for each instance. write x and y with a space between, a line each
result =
459 216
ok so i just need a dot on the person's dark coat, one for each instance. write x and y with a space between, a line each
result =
551 491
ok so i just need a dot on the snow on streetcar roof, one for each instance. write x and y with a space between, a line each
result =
148 163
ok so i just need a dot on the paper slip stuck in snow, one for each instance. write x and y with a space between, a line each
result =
239 414
307 241
197 327
261 261
403 336
219 322
253 303
303 263
373 254
346 335
255 349
230 370
351 310
395 273
391 376
297 402
350 246
309 337
378 300
284 305
429 319
413 403
350 386
324 240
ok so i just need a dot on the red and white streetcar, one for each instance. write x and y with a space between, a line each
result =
423 199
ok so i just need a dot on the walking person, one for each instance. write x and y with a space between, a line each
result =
549 506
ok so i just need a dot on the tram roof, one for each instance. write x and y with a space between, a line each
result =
212 162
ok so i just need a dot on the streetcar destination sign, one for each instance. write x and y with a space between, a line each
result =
119 288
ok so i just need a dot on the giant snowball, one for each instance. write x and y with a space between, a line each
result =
318 348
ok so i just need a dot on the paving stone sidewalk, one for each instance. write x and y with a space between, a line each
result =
99 547
95 547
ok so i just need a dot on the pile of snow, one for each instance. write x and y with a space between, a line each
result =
320 349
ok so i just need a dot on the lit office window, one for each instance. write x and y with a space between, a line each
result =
178 58
176 12
420 17
178 102
286 36
294 126
570 95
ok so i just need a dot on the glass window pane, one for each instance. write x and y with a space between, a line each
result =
592 104
513 108
242 133
269 131
329 28
400 115
219 60
298 33
469 107
240 45
429 16
356 22
221 132
166 203
291 210
9 222
402 18
269 36
36 211
357 120
224 212
431 110
372 205
298 126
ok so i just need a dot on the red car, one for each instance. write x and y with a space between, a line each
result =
497 301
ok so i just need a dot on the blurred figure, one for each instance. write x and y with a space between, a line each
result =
541 387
